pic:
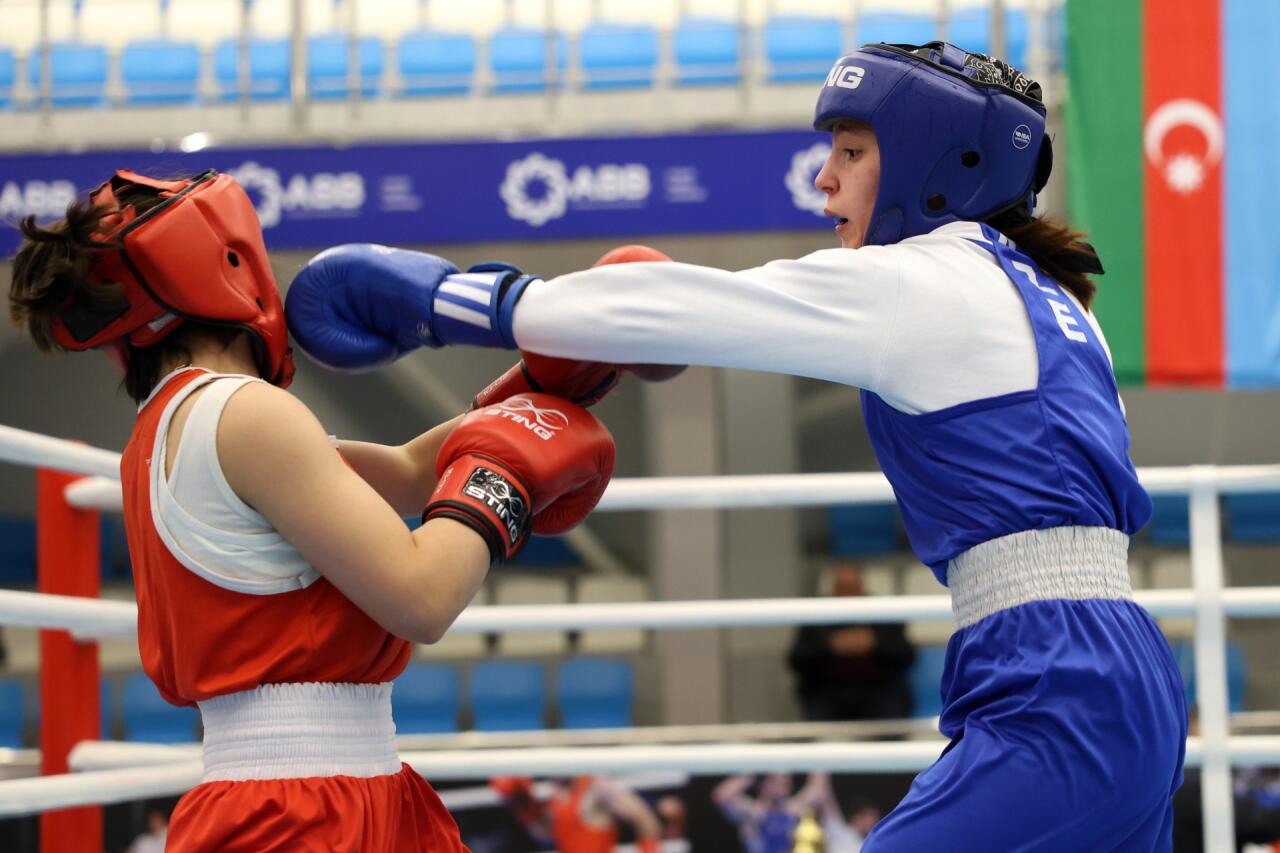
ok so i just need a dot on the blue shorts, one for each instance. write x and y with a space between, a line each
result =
1068 728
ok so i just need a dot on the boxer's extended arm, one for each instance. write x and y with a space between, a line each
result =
828 315
405 475
927 323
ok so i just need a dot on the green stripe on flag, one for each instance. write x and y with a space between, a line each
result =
1104 143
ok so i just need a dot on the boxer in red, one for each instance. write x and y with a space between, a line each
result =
278 588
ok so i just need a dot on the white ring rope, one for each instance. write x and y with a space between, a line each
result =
88 618
28 796
43 451
737 492
112 755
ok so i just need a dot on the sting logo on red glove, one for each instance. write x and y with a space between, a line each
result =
502 474
504 499
544 423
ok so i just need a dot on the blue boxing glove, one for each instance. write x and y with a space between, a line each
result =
361 305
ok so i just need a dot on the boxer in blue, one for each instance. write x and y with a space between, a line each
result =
987 390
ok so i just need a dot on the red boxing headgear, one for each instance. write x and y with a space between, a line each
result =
196 255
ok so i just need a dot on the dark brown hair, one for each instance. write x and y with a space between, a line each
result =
51 269
1058 250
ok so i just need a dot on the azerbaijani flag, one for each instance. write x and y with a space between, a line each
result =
1173 130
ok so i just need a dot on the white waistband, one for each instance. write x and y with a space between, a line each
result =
291 731
1035 565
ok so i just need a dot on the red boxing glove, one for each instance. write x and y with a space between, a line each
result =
583 382
533 463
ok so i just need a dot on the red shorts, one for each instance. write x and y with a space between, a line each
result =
381 814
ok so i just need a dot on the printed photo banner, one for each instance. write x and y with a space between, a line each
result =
420 194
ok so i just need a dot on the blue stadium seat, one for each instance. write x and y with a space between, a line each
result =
617 56
1185 653
708 52
17 550
595 693
327 57
518 59
8 74
926 681
860 529
801 49
1254 517
159 71
507 696
436 63
11 716
426 699
895 28
269 69
149 718
970 28
77 74
1170 521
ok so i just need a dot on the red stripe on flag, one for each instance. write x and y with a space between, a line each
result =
1182 177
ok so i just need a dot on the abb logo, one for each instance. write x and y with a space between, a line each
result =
846 76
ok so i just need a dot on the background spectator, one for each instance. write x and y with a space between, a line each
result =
766 822
852 672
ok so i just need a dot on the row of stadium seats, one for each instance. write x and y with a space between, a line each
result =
141 714
431 63
865 529
426 699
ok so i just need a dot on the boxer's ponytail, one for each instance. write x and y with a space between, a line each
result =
1059 251
52 268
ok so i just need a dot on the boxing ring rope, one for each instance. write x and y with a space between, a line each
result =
1207 600
92 620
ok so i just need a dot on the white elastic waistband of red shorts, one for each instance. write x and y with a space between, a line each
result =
292 731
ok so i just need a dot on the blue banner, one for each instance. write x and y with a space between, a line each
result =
458 192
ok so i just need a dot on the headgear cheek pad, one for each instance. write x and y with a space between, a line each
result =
961 136
197 255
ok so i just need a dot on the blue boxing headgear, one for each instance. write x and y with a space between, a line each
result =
961 136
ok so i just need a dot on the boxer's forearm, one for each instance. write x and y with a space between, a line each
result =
804 317
403 475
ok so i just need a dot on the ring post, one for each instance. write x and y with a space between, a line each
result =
1211 655
67 557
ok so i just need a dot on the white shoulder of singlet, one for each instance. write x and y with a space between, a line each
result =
962 332
201 520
